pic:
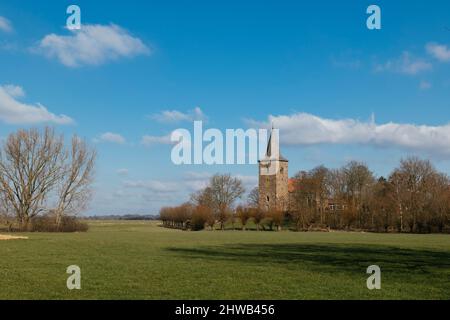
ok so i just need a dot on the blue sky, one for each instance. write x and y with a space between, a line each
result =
313 66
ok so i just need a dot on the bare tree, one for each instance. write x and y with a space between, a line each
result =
36 169
395 180
276 218
258 216
243 214
438 208
359 181
382 205
253 198
203 197
416 181
319 176
30 166
225 190
220 195
336 186
6 216
305 199
77 174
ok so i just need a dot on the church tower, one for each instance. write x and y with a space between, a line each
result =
273 177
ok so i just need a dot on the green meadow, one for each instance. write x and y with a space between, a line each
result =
140 260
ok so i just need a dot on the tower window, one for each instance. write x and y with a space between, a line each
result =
267 198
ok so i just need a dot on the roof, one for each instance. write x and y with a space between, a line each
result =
291 185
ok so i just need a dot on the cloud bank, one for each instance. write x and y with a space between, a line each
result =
13 111
308 129
169 191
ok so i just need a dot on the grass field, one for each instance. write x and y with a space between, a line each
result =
139 260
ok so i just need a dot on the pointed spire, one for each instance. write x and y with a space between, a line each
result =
269 146
269 143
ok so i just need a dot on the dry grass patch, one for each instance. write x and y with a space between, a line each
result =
8 237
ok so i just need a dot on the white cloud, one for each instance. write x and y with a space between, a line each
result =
15 112
249 182
5 25
153 185
175 116
91 45
148 140
439 51
182 188
112 137
406 64
14 91
425 85
196 180
308 129
197 175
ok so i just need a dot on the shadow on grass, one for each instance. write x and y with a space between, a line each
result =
327 257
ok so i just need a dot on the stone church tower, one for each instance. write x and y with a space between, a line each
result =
273 177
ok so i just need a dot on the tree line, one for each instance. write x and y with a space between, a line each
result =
44 182
415 198
214 207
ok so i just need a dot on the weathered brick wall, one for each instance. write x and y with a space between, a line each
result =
273 189
282 187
